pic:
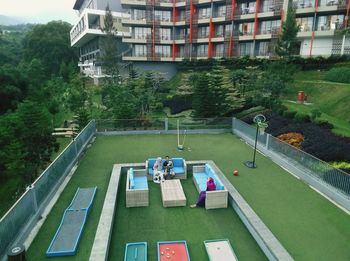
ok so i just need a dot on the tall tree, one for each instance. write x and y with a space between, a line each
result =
38 143
12 155
287 44
109 57
13 88
50 43
202 97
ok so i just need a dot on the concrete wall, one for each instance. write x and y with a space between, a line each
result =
320 46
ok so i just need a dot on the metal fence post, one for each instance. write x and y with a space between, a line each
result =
233 124
166 124
35 202
268 141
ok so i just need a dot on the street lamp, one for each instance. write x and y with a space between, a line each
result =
261 125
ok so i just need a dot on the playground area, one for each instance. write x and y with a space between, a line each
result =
301 219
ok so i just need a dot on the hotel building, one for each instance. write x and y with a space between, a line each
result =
170 31
87 34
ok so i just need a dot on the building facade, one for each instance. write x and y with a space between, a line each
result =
87 34
173 30
168 31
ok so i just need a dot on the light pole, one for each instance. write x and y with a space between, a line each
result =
261 125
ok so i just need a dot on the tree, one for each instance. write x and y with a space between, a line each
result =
202 97
38 143
50 43
109 57
13 89
287 44
218 90
12 155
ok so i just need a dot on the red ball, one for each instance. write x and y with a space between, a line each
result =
235 172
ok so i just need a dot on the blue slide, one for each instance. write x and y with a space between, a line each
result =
66 239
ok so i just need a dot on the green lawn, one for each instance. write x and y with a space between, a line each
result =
308 226
331 98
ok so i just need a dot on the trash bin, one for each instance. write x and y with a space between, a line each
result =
17 253
301 96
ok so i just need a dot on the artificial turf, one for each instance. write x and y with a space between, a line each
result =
307 225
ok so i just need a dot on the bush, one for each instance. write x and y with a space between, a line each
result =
292 138
341 74
317 141
301 117
289 114
179 103
324 124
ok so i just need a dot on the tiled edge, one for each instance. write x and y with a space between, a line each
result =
100 246
269 244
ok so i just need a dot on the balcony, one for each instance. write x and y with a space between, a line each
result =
89 26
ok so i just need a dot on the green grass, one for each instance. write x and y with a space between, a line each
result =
331 98
308 226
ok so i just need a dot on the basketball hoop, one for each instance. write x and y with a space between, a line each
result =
262 127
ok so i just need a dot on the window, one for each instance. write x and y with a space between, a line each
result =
204 13
246 28
163 50
162 15
140 50
202 50
221 11
141 32
219 50
245 49
219 31
139 14
165 33
203 32
262 49
305 23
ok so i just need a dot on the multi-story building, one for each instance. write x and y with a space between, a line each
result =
322 24
87 33
172 30
169 31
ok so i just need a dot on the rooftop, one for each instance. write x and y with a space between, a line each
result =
301 219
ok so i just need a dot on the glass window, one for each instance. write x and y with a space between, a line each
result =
219 31
203 32
139 14
305 23
219 50
246 28
163 50
204 13
245 49
165 33
221 11
140 50
202 50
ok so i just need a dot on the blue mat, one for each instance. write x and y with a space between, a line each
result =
136 251
68 234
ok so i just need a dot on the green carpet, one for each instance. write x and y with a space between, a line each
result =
308 226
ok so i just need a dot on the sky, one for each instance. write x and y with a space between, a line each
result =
40 11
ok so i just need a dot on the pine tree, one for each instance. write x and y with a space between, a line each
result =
287 44
109 55
202 97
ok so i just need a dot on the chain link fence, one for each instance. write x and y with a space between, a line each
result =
23 215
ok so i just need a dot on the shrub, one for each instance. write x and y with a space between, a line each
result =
179 103
301 117
289 114
324 124
293 138
317 141
340 74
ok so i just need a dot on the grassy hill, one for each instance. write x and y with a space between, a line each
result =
331 98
